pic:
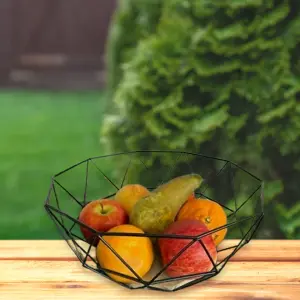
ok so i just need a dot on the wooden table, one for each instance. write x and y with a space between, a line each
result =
262 269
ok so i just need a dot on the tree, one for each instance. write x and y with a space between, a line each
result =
220 78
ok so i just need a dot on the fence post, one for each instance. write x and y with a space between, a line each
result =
6 35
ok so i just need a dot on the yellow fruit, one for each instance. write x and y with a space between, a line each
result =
129 194
154 213
136 251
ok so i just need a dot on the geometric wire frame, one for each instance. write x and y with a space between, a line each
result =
239 192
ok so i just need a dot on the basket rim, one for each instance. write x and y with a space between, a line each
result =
159 151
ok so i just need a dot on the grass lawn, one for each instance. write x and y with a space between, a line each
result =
41 133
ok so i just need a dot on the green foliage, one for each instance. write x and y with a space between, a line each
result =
133 21
216 77
289 220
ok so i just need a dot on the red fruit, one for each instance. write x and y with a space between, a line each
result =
101 215
194 259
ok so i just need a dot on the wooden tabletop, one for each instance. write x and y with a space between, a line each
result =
262 269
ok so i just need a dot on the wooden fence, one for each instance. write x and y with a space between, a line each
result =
53 43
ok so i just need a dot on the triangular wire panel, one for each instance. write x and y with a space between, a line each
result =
74 180
254 228
68 203
226 251
50 199
189 283
112 166
102 179
84 250
152 171
176 283
244 187
135 172
215 174
246 210
98 271
76 231
87 249
222 263
258 201
218 187
53 201
238 226
62 223
188 164
169 172
226 248
163 281
111 273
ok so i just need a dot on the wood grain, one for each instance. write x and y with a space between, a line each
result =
262 269
256 250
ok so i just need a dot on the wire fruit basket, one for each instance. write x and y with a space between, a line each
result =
176 259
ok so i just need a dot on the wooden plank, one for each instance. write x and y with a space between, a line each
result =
6 27
284 273
256 250
74 37
92 291
85 30
6 38
56 36
71 281
57 80
48 270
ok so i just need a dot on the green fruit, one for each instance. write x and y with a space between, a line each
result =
155 212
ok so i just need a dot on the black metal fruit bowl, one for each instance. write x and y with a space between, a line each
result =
239 192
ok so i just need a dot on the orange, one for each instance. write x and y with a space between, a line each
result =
136 251
129 194
208 212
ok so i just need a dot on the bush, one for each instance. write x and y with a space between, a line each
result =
220 78
133 21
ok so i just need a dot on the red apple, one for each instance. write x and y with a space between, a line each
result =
101 215
194 259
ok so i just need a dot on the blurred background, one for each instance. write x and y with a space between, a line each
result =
81 79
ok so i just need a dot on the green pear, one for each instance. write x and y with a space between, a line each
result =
156 211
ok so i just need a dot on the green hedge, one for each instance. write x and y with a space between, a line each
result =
215 77
133 21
